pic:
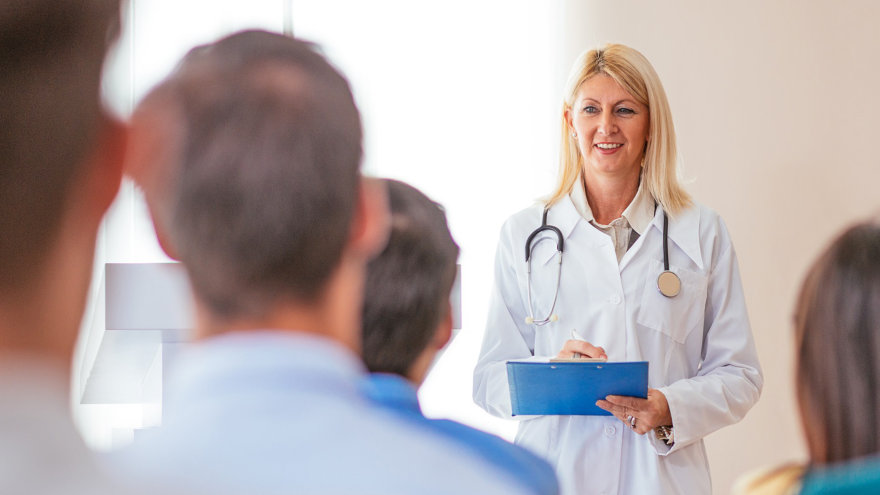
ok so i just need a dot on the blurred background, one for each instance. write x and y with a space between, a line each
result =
775 105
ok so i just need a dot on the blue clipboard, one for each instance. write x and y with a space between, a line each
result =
572 388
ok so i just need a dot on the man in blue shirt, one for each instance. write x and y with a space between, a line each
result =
248 155
408 319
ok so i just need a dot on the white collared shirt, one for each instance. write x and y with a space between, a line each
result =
635 218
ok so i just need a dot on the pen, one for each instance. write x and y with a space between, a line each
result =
578 355
575 336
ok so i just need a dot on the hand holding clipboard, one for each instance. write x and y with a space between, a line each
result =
579 349
572 387
571 384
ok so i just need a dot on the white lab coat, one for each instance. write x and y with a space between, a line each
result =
699 344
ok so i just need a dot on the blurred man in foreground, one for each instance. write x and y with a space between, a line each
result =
60 167
249 157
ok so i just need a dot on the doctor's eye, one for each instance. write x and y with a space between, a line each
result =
626 111
591 109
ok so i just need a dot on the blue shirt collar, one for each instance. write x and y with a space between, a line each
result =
274 359
393 391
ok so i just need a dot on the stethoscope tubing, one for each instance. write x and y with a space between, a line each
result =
668 282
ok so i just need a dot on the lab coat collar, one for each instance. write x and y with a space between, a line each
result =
684 227
638 213
564 216
684 231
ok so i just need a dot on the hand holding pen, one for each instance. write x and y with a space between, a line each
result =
578 348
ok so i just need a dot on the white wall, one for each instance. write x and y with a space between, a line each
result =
775 104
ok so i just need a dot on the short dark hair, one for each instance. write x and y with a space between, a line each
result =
51 54
408 284
261 194
837 327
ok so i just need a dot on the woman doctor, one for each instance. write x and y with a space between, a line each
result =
619 208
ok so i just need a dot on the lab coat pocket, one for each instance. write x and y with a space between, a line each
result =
675 316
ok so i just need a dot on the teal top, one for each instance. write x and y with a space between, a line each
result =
861 476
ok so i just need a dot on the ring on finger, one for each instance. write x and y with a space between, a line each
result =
632 421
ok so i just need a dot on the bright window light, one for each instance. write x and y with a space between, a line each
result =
459 98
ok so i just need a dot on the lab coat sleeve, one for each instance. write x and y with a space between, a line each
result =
729 380
506 337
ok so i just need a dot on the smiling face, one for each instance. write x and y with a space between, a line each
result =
611 127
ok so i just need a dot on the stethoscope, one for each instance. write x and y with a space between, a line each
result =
668 282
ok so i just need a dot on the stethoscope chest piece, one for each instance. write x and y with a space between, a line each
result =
669 284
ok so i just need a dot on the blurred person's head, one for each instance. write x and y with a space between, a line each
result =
635 76
60 164
837 328
407 316
249 156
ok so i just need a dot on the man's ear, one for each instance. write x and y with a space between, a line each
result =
104 168
372 219
444 330
161 233
154 138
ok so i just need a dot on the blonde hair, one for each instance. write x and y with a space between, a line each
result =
632 71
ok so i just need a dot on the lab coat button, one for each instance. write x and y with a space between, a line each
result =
615 299
609 430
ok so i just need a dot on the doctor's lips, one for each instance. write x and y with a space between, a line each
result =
607 148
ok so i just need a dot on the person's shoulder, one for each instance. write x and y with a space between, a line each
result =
525 217
707 222
517 227
702 232
524 465
699 214
856 476
781 480
474 437
378 449
428 455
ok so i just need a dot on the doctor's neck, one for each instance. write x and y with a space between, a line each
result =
609 195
